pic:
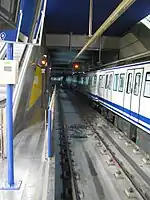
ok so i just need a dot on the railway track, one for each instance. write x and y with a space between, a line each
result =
106 143
117 161
68 176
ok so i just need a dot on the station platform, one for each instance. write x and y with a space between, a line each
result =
32 167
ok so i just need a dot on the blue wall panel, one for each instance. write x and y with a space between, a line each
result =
28 16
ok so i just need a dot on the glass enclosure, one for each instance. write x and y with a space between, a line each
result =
8 13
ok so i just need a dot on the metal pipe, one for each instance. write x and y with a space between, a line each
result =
70 46
138 56
123 6
90 17
100 50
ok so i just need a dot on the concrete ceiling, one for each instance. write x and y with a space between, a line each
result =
65 16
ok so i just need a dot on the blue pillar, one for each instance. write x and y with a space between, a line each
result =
9 125
49 133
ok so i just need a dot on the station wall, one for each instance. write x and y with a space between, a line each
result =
130 45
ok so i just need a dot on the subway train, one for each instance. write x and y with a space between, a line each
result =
123 96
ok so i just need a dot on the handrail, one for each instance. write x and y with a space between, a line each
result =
23 55
19 86
2 47
51 103
2 51
2 102
51 108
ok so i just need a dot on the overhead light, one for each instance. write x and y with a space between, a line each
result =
43 62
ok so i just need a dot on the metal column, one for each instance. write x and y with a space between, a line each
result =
100 50
9 120
10 185
90 17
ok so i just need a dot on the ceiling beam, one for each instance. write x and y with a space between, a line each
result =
60 42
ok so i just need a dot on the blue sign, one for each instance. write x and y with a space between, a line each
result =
9 35
2 36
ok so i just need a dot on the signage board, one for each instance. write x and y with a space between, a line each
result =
8 72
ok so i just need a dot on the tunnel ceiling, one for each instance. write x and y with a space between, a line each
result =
72 16
65 16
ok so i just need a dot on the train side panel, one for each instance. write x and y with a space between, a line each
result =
144 102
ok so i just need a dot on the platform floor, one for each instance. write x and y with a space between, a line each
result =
31 167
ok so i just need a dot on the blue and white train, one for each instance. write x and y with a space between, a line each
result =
123 92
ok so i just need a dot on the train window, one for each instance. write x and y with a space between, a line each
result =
84 81
87 80
137 84
100 80
121 82
90 80
147 85
116 78
129 83
82 78
110 82
95 79
79 81
106 82
103 81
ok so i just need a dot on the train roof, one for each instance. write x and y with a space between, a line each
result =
111 68
118 67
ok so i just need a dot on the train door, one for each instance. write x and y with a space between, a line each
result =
101 86
106 85
128 92
136 93
109 88
95 84
132 93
